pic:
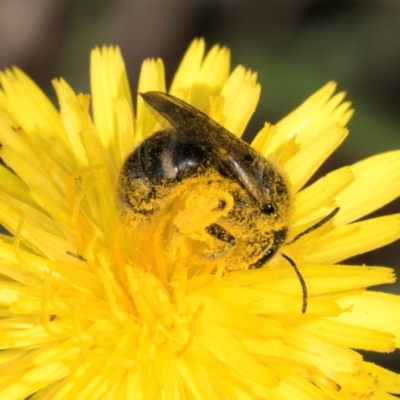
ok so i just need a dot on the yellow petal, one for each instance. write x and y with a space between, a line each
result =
213 73
373 310
189 67
329 279
346 335
196 378
19 153
28 105
294 388
35 379
309 158
357 238
73 119
241 93
228 351
14 186
370 382
311 202
317 113
263 139
376 183
151 77
109 84
126 140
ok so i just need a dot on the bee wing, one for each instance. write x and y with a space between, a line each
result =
196 127
193 125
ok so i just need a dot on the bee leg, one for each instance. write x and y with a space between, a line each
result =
221 234
302 282
268 255
278 239
315 226
263 260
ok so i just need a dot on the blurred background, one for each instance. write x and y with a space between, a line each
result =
295 45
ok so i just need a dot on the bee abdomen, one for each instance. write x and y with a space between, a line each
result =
155 167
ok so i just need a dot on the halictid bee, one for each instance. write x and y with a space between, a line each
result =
246 218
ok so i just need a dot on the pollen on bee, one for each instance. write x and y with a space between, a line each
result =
202 208
222 150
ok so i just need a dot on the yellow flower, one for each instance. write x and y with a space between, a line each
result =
92 309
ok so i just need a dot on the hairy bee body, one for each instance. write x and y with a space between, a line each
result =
232 202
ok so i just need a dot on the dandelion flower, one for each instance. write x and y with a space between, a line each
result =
92 309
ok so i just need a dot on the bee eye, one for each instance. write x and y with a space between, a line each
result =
267 209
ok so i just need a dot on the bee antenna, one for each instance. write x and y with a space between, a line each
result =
302 282
315 226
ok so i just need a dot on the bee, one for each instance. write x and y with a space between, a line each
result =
245 218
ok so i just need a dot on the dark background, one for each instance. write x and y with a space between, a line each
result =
295 45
